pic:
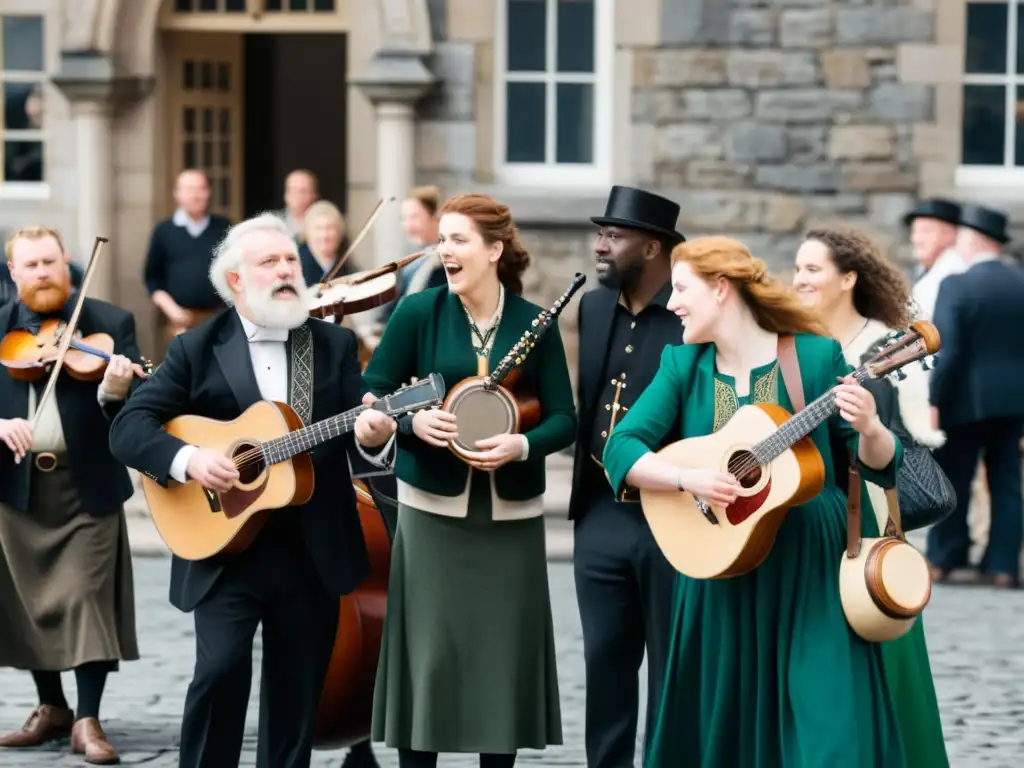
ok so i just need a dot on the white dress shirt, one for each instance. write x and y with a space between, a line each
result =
193 227
268 353
926 290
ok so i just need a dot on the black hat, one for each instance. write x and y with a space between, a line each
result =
936 208
987 221
635 209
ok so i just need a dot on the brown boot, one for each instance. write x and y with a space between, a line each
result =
87 738
46 723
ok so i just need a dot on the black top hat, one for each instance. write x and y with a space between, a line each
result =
987 221
936 208
635 209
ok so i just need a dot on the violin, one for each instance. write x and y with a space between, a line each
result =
361 291
29 356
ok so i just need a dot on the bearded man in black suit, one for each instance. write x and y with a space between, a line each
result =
305 558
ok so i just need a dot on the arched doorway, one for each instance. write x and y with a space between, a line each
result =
252 90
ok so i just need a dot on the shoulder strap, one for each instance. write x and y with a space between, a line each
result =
791 371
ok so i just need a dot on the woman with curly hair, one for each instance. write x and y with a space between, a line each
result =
862 297
467 661
763 670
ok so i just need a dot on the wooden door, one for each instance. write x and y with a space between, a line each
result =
205 81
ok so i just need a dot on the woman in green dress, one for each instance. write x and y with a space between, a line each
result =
467 658
763 669
863 298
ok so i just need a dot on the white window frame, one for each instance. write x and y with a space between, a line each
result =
1007 177
27 190
577 175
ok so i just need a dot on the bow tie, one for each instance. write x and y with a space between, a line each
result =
269 334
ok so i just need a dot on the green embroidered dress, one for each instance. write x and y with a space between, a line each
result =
763 670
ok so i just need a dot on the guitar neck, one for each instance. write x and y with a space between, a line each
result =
801 424
307 438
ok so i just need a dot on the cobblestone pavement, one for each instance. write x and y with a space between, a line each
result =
975 636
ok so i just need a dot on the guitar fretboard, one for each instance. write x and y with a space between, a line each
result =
801 424
283 448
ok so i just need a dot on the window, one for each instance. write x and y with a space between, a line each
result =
253 6
22 74
553 113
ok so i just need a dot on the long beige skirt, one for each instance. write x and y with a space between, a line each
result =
66 590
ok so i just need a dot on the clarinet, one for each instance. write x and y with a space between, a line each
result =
529 339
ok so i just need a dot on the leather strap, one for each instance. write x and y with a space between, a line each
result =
853 510
790 367
894 526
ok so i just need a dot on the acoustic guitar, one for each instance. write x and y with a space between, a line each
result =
269 445
778 467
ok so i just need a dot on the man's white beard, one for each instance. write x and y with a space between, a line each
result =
284 313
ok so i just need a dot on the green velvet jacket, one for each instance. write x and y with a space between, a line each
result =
429 333
685 384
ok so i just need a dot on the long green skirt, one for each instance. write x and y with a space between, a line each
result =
467 661
910 678
764 671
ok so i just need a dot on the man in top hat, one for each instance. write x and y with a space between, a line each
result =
623 582
977 396
933 226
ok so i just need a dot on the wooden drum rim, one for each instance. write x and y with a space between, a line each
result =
875 582
472 385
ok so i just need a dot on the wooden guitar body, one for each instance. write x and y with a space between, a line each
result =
746 530
197 524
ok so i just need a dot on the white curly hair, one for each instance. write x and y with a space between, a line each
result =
228 255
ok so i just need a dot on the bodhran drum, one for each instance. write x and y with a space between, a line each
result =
481 413
884 585
343 297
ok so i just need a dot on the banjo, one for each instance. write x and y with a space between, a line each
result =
483 407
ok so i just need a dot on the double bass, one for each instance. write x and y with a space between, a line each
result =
345 709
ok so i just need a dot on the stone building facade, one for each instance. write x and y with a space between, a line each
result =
761 117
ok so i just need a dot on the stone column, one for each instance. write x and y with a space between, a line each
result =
87 80
92 126
394 83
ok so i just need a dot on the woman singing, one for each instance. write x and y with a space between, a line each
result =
763 670
862 297
468 658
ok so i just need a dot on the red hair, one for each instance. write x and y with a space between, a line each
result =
494 223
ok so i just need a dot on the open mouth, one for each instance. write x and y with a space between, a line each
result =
452 268
285 290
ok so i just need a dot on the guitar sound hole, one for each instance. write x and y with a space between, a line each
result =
744 467
249 460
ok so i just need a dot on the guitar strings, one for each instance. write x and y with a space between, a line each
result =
751 463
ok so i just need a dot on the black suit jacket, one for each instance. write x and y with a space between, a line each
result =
208 372
979 371
103 482
596 317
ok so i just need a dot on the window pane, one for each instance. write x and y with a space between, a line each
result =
1018 136
986 38
208 5
183 6
23 108
527 35
524 123
23 43
984 124
189 120
575 35
273 5
297 5
323 5
574 141
235 6
23 161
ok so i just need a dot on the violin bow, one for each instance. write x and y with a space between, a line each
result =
393 266
362 233
69 331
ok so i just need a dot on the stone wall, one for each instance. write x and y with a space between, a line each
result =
764 120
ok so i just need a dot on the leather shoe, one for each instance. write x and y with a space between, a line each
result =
87 738
46 723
